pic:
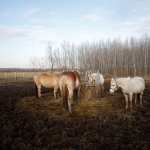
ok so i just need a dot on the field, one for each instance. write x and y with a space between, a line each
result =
30 123
18 74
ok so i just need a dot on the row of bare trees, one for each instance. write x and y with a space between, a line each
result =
130 57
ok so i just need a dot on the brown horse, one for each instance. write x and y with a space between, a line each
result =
69 81
48 81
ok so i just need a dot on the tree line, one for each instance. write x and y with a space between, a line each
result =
129 57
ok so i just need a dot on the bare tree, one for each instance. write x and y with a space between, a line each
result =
57 59
112 57
49 57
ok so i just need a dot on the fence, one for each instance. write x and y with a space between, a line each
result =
4 75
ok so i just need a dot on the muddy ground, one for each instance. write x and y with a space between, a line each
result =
30 123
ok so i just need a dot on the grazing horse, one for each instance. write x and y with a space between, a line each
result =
69 81
92 78
48 81
129 87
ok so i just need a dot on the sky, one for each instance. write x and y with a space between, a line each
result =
28 26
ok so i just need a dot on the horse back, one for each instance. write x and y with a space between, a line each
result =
139 79
138 84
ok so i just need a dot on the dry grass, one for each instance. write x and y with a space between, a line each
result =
107 105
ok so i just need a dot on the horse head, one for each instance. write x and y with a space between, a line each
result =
113 85
90 79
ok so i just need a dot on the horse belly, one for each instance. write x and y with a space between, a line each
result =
138 90
48 84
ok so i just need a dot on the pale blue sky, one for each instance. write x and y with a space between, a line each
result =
27 26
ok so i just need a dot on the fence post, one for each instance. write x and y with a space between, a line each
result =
2 73
23 74
16 74
5 75
98 78
30 74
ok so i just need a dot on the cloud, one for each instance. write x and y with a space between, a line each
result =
92 17
142 6
37 34
29 12
52 13
130 23
37 20
142 25
38 27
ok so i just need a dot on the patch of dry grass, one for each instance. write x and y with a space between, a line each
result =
54 108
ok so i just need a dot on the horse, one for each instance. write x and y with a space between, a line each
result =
92 78
129 87
69 81
48 81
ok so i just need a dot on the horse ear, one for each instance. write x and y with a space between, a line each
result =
111 79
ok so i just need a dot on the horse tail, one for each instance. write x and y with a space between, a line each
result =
64 93
35 89
142 80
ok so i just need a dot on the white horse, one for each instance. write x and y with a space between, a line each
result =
92 78
129 87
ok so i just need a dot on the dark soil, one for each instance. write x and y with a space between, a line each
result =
28 123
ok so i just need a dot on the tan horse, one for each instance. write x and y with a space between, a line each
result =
48 81
68 82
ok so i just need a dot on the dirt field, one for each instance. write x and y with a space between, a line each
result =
30 123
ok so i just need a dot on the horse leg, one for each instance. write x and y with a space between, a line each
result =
126 98
78 93
55 93
130 95
69 99
141 98
39 91
102 87
135 98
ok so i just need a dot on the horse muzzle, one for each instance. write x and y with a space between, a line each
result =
111 91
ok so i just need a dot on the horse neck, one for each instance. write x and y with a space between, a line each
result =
120 82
